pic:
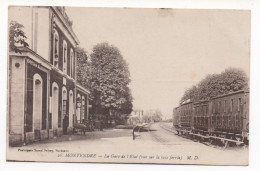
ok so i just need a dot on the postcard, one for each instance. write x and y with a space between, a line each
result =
128 85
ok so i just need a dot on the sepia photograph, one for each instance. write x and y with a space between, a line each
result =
128 85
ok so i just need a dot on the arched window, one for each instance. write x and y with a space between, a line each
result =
71 62
71 108
55 49
37 102
55 106
64 105
65 53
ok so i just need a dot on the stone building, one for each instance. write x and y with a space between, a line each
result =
42 78
136 117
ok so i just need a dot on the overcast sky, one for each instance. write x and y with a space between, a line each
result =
167 50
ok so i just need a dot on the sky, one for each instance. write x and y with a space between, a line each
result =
168 50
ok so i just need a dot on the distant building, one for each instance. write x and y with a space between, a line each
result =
42 79
135 117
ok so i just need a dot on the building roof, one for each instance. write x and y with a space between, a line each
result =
82 88
60 11
231 93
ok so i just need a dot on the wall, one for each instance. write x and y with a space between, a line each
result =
16 106
42 31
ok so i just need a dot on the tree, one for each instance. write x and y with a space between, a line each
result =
127 106
191 93
231 80
152 115
83 68
17 37
157 115
110 78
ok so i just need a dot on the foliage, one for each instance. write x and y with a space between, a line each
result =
106 74
127 106
16 36
230 80
152 116
83 68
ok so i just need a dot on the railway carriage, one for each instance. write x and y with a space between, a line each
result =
201 118
230 117
186 112
223 119
176 118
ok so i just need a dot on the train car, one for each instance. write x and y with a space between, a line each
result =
229 120
201 119
221 120
186 117
176 119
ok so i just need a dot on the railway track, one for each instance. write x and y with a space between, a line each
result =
202 142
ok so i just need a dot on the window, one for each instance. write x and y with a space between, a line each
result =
55 106
231 105
65 56
83 108
215 107
225 106
83 111
219 107
71 108
71 62
55 49
64 107
240 105
37 102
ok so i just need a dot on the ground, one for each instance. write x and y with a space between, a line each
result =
159 145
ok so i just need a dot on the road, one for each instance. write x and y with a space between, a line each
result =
111 144
159 132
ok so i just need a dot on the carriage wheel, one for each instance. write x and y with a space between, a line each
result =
211 141
226 143
214 140
238 139
207 139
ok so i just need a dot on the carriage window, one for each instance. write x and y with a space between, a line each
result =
219 107
215 107
231 105
239 104
225 106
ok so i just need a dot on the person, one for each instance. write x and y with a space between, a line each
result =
65 124
101 125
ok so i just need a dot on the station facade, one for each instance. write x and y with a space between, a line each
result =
45 99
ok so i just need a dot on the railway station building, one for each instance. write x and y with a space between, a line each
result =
44 97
